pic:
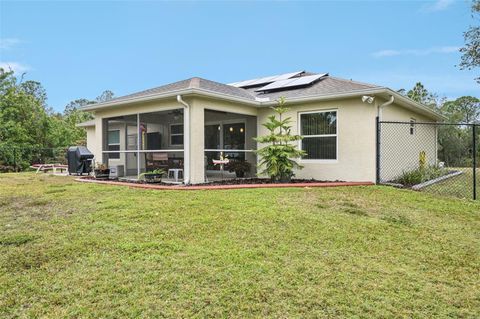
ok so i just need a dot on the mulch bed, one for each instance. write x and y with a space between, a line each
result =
226 184
249 181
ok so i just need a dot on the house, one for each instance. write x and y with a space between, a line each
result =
187 126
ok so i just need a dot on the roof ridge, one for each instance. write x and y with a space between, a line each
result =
356 82
195 82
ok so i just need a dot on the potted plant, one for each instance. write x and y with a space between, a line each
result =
240 167
101 171
154 176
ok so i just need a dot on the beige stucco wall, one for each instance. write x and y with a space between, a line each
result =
355 128
356 140
91 138
197 117
400 150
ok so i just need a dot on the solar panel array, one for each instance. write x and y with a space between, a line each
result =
266 80
293 82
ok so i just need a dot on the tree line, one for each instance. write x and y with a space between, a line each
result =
455 141
29 127
32 131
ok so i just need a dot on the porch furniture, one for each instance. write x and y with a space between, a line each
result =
156 160
47 167
175 173
161 160
222 163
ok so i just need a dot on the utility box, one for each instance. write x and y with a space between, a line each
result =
116 171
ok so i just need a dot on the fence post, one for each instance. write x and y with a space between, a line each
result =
15 159
474 152
377 150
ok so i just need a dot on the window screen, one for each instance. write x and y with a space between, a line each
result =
319 132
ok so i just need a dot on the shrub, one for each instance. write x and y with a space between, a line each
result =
420 175
278 156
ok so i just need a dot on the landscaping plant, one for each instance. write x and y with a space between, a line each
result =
240 167
101 171
420 175
278 156
154 176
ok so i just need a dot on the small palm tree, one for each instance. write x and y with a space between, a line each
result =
277 158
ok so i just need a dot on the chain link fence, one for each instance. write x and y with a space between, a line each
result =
14 159
438 158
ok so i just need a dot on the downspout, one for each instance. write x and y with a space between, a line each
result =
186 139
380 108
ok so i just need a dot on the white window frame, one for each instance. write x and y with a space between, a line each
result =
114 144
170 134
299 125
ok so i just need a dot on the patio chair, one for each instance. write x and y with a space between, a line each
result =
156 160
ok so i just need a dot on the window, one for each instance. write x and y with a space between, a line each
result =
113 142
176 134
319 132
412 126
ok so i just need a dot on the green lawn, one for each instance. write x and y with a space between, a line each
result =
459 186
77 250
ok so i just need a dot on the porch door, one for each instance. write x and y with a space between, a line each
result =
212 137
234 139
221 138
131 145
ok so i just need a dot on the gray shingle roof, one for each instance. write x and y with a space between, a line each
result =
192 83
326 85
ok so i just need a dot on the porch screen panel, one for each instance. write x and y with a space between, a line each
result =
113 141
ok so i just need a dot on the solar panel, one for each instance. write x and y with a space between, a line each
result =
265 80
300 81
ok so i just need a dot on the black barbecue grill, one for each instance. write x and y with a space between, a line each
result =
79 160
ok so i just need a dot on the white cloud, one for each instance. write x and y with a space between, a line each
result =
438 5
14 66
416 52
8 43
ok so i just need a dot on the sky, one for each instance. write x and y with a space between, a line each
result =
79 49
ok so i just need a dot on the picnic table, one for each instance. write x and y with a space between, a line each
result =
49 167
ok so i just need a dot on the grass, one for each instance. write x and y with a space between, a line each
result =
94 251
459 186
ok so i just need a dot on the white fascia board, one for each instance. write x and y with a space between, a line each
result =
171 94
326 97
323 97
375 91
415 105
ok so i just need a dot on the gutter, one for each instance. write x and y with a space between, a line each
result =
264 103
186 141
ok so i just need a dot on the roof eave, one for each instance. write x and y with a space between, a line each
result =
86 124
156 96
326 97
409 102
371 91
322 97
